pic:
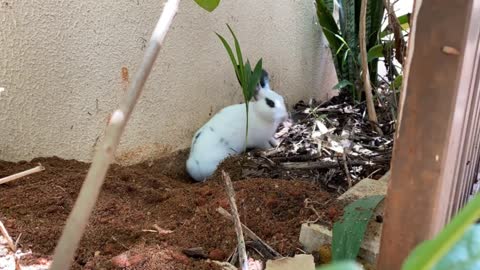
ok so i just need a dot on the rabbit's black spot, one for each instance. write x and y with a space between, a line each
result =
224 141
263 79
270 102
213 130
196 137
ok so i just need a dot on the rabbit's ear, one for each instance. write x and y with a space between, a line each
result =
258 88
264 79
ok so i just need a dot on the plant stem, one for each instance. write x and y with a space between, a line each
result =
372 115
78 218
246 127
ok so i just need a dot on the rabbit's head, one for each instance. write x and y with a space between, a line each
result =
268 105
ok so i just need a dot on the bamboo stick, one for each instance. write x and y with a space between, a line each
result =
78 218
16 176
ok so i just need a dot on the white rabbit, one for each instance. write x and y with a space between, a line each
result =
224 134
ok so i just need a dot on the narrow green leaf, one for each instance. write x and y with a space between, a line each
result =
208 5
255 79
344 265
465 255
375 52
328 25
348 233
342 84
429 253
239 54
248 73
230 54
329 4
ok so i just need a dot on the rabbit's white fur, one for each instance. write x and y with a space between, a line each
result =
224 134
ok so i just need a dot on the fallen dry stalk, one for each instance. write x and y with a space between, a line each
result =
345 167
90 190
12 177
367 85
250 233
5 234
242 251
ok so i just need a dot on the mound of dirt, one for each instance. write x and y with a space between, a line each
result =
137 201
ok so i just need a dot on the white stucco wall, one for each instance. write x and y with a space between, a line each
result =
61 66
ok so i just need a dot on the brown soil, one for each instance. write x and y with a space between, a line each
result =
134 198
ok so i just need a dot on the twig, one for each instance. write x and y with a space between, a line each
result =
249 232
400 46
330 164
17 241
5 234
242 251
12 177
372 115
87 198
347 172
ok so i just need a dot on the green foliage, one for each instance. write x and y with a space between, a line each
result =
375 52
457 246
348 233
404 23
344 265
343 39
208 5
342 84
397 83
434 254
465 255
247 78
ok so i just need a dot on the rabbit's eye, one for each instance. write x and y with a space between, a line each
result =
270 102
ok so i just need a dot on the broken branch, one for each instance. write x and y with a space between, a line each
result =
12 177
347 172
78 218
5 234
250 233
242 251
330 164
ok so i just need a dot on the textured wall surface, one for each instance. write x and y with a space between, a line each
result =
64 65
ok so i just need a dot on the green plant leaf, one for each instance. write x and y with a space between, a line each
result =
246 88
255 79
429 253
348 233
465 255
397 83
239 55
208 5
404 23
342 84
344 265
330 29
375 52
230 54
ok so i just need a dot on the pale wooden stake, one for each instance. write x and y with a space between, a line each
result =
104 156
5 234
16 176
242 251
